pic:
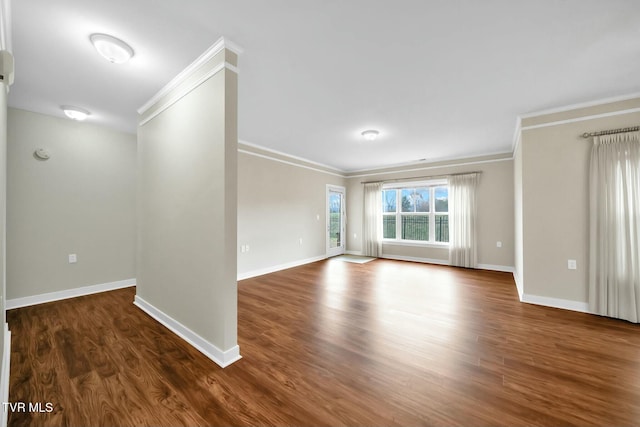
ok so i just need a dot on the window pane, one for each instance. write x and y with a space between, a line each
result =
407 201
442 199
422 199
442 228
415 227
389 201
335 220
389 226
415 200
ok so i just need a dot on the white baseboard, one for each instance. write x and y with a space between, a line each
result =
5 372
273 269
416 259
556 303
519 284
356 253
260 272
222 358
504 268
68 293
491 267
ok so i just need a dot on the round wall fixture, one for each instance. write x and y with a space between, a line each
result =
41 154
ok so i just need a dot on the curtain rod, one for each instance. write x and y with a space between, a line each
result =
420 177
610 132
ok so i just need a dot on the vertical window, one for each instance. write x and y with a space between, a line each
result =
389 210
441 214
416 214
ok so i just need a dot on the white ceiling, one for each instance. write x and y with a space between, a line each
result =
440 79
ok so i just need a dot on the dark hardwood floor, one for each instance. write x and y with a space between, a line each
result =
333 343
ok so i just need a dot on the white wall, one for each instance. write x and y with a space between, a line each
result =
555 198
81 201
187 209
5 335
280 201
495 209
518 206
5 338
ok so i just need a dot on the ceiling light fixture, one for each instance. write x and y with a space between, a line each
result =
112 49
370 135
75 113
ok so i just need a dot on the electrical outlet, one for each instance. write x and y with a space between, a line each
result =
301 241
73 258
571 264
498 244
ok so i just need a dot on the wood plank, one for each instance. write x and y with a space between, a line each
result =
334 343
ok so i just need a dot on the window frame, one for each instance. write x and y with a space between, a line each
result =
398 240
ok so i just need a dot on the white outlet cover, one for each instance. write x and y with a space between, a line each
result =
73 258
571 264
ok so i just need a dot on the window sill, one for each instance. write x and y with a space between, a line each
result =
415 243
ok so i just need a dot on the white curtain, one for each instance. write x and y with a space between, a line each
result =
462 220
372 237
614 256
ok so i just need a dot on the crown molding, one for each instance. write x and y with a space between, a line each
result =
229 45
425 165
519 128
517 135
582 119
212 51
286 162
5 25
178 96
508 157
367 172
579 105
290 156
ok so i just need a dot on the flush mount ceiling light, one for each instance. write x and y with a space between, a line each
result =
75 113
112 49
370 135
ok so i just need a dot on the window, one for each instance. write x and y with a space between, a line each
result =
417 213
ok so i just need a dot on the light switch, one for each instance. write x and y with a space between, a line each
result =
571 264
